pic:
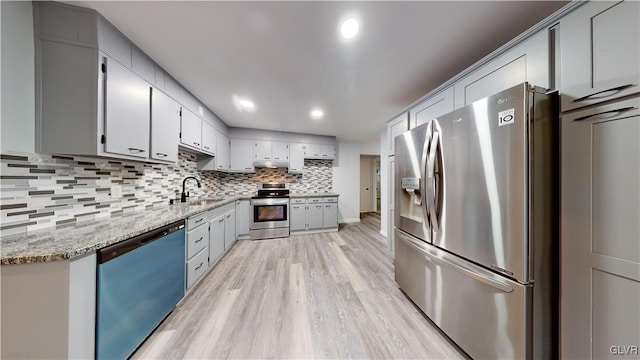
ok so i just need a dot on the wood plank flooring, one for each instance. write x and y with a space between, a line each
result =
321 296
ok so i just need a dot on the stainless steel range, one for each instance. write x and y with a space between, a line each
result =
270 209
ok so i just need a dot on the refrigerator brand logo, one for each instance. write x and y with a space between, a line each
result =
501 269
624 350
505 117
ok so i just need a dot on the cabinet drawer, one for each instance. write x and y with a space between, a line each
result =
197 220
197 240
196 267
332 199
299 201
314 200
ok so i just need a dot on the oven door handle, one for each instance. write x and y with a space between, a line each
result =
270 202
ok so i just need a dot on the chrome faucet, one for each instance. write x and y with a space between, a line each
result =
185 195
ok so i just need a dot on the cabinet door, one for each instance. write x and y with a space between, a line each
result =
262 150
113 43
327 151
208 138
600 52
229 229
280 151
298 219
296 158
243 216
330 215
216 238
396 127
600 251
314 216
142 65
439 104
127 115
312 151
165 127
222 152
190 130
528 61
241 155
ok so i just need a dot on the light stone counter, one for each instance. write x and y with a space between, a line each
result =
73 241
308 195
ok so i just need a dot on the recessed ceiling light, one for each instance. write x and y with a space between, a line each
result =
243 104
349 28
316 114
247 104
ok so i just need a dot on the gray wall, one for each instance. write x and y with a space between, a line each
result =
17 121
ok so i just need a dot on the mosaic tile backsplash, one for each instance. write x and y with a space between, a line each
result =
40 191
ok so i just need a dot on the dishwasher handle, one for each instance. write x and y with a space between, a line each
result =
113 251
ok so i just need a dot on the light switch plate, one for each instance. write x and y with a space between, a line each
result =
116 191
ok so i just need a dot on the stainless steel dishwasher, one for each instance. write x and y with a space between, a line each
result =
139 282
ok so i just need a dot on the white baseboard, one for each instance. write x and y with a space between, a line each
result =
383 233
349 221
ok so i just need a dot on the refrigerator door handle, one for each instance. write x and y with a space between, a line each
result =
430 180
423 173
455 264
472 274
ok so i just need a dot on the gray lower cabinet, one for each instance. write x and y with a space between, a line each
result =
313 213
298 216
229 229
330 215
216 238
197 247
600 251
243 218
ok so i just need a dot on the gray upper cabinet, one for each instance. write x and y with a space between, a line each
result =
142 65
113 43
165 127
431 108
208 138
271 151
312 151
327 151
190 130
296 158
600 53
396 127
222 152
527 61
127 111
262 150
241 155
279 151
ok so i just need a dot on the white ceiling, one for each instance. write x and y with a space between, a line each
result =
287 56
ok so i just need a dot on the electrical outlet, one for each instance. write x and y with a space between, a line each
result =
116 191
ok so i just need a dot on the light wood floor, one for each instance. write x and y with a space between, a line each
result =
325 296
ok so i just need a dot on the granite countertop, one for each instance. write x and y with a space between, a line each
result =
83 238
306 195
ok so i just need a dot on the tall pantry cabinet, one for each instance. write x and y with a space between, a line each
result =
600 196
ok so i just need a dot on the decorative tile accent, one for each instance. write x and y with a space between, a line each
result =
39 191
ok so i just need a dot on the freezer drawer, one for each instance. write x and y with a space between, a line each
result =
485 314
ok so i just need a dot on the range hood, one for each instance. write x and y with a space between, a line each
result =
271 164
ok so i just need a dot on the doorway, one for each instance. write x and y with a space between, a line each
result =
369 183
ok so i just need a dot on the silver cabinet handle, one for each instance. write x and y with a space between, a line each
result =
613 113
196 144
206 148
221 220
228 216
247 168
136 150
604 93
197 221
458 267
199 266
161 154
197 241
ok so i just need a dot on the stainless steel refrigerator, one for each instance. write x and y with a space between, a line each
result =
476 223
